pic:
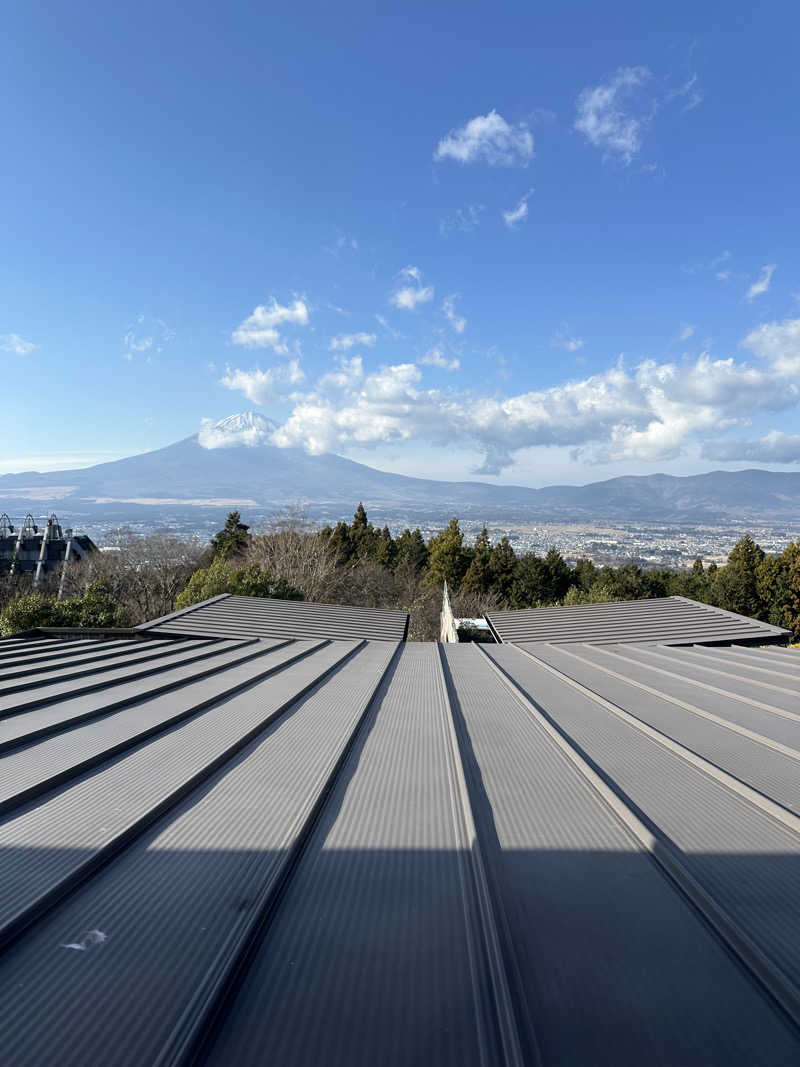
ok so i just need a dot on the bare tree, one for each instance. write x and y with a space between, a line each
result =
145 573
474 605
425 611
364 583
293 548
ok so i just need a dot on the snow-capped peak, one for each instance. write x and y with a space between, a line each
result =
246 428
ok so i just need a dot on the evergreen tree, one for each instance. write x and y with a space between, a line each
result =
772 586
584 574
385 549
411 549
478 578
97 607
446 562
502 566
626 582
363 535
232 539
695 584
339 542
736 584
557 576
791 608
528 583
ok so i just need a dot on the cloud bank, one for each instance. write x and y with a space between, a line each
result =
649 411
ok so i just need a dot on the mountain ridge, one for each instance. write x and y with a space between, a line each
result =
238 462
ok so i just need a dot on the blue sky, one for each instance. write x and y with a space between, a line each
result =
551 242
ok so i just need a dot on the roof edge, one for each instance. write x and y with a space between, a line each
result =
183 611
734 615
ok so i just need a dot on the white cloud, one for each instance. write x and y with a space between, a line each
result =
345 341
396 335
374 411
714 264
18 346
650 412
603 119
774 447
458 322
350 372
260 330
647 412
463 219
518 213
759 287
686 331
261 386
487 138
435 357
146 334
689 92
408 297
614 115
134 343
779 343
561 339
343 243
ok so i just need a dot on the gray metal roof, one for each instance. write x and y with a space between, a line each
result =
673 620
245 616
305 852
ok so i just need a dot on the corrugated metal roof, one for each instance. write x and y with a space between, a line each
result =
673 620
245 616
305 852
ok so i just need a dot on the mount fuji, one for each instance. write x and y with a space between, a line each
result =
233 463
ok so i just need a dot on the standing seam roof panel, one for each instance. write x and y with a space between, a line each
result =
175 899
589 911
676 620
258 616
362 852
389 862
759 766
748 861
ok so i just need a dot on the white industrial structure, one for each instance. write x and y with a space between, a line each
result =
28 550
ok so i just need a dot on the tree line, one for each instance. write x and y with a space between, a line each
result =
362 564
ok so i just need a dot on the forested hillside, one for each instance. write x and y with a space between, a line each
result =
358 563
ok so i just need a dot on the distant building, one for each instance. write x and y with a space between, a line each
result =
31 550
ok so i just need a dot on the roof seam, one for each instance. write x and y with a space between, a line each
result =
667 855
747 792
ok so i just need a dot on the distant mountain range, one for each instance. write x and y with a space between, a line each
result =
233 464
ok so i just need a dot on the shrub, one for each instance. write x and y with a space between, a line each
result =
222 577
96 608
